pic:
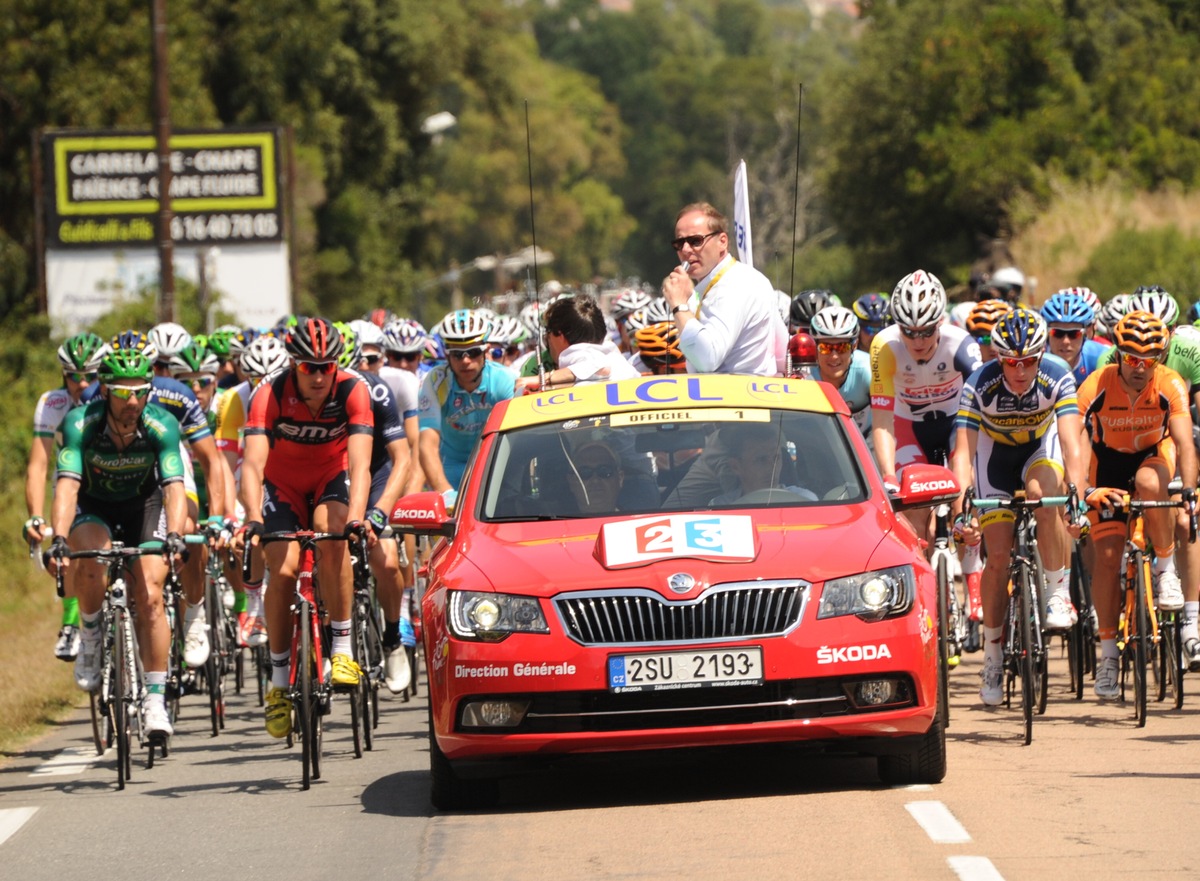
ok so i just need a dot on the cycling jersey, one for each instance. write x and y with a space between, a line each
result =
1183 355
51 408
388 424
460 415
233 406
303 444
856 390
1089 360
108 474
1118 420
989 406
406 388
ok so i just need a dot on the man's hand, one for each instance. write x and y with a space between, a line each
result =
55 557
175 548
249 535
677 287
1101 497
526 385
35 530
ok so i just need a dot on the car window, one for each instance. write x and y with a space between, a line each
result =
664 461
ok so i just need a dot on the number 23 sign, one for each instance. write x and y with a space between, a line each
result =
633 542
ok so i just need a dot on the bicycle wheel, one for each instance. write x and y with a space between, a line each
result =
944 586
1141 637
304 683
123 697
322 692
1172 640
1026 667
1080 642
357 703
214 671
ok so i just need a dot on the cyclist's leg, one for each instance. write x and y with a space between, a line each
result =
1151 483
90 580
389 588
1044 477
196 643
154 633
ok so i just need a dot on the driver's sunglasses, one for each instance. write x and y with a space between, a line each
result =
464 354
1136 361
692 242
604 472
925 334
125 392
1028 361
1062 333
76 376
316 368
834 348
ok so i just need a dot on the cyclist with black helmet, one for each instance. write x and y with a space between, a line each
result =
1137 434
873 314
307 465
1071 322
456 399
805 305
79 357
1018 427
120 476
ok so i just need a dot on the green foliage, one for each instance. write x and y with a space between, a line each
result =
1129 257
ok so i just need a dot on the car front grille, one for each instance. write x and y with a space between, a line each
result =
724 612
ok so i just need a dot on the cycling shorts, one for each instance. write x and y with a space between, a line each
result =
289 507
132 522
1117 470
1002 469
931 440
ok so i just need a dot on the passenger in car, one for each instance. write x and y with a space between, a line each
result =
757 461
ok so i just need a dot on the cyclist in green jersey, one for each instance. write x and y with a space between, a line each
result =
120 476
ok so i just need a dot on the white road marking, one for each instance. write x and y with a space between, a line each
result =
12 819
937 821
974 869
73 760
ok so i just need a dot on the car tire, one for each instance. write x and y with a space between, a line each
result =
448 791
925 763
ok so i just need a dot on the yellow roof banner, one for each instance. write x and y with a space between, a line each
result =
676 392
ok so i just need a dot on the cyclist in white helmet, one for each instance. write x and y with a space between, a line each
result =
841 364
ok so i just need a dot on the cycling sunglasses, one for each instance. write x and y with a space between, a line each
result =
834 348
1136 361
201 381
316 368
125 392
76 376
1062 333
372 359
404 356
925 334
464 354
1028 361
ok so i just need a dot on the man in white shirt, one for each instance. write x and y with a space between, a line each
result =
726 311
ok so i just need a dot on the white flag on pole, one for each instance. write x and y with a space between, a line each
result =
741 216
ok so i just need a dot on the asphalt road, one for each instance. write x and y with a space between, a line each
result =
1093 796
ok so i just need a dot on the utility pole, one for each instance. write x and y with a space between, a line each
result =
162 135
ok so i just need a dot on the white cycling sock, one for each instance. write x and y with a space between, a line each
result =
1059 583
280 661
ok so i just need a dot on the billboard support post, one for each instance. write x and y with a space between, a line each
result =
162 136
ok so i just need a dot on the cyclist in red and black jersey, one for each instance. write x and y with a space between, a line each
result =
307 460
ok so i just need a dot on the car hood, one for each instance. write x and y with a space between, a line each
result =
545 558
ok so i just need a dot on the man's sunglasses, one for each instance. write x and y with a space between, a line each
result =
404 356
464 354
1062 333
316 368
1029 361
75 376
604 472
372 359
692 242
125 392
1136 361
202 381
925 334
834 348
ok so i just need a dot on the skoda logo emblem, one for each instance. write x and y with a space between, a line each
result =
681 582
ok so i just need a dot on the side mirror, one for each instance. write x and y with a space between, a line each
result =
422 513
923 486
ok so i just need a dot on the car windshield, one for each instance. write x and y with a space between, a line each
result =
671 460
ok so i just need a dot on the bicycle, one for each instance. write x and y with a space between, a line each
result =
310 687
1025 655
368 651
1083 636
122 690
1140 636
952 623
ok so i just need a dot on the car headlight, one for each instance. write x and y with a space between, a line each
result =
872 596
493 616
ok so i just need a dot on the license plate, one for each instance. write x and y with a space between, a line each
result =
673 670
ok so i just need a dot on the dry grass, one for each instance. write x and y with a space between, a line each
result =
1054 245
35 687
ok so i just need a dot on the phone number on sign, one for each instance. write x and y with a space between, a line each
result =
224 227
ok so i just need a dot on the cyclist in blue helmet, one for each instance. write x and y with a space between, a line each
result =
874 314
1071 321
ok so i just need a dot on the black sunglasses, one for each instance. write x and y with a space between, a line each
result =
604 472
692 242
464 354
918 334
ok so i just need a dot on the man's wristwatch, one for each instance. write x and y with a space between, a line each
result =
682 307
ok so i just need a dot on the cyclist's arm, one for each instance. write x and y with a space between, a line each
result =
175 506
254 463
398 480
1180 429
965 441
1076 456
431 460
883 433
358 456
214 474
66 497
35 475
416 475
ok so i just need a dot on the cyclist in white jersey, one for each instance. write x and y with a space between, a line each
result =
80 357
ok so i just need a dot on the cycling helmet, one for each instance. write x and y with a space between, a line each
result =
368 334
1090 297
219 341
464 328
802 349
403 336
169 338
1141 333
531 318
658 346
783 303
135 340
314 339
380 317
873 309
265 355
195 358
835 323
1068 307
1019 334
806 304
1113 311
984 316
1008 281
121 363
1156 301
628 302
919 300
657 311
636 320
352 351
82 353
1193 313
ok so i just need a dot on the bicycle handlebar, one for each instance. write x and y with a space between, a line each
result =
118 550
300 535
